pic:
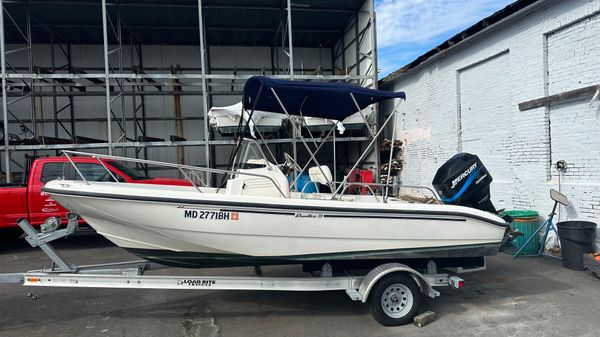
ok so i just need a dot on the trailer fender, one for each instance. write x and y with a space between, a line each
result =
380 271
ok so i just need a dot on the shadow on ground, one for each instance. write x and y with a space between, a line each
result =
81 240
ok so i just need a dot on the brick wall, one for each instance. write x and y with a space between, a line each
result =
467 100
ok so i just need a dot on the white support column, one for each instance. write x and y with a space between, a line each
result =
204 86
106 78
373 45
376 115
4 103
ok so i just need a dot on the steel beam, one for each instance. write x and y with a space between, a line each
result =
204 88
357 45
101 119
190 6
54 101
120 83
290 42
30 66
221 142
180 76
67 54
189 28
4 103
106 78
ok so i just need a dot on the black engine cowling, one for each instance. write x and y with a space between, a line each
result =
464 181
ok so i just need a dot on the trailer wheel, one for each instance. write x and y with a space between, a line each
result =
395 299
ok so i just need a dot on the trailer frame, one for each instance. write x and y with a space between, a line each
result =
132 274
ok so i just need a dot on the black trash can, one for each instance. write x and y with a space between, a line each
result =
576 239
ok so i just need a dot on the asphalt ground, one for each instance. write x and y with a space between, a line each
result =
525 297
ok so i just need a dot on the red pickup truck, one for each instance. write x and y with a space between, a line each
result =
26 200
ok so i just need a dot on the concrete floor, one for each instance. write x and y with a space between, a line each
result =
526 297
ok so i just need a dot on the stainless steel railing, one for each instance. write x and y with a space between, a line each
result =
382 186
189 171
370 186
185 170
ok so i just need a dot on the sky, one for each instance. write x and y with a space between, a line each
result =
407 29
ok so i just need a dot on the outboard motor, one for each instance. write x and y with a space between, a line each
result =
464 181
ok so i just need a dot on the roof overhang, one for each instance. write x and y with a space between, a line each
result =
175 22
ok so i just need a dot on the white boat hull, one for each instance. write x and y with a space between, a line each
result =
352 122
149 219
227 119
227 124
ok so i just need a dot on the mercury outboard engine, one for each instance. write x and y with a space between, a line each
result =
464 181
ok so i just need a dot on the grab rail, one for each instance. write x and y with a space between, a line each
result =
180 167
364 185
194 169
368 185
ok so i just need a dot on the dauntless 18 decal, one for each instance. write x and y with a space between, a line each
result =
210 215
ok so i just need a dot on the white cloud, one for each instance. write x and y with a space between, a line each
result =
393 57
418 21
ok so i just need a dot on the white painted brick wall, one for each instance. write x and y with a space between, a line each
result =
560 37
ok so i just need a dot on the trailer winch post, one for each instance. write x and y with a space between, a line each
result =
43 239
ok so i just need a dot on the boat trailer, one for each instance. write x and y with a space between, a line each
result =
393 290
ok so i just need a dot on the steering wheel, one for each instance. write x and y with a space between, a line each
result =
291 163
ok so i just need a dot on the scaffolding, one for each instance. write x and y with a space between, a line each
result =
126 87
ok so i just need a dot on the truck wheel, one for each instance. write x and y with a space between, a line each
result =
395 299
10 235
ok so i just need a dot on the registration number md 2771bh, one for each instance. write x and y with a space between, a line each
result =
210 215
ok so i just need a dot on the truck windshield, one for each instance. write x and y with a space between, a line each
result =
133 172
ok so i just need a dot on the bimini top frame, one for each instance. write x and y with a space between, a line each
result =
315 99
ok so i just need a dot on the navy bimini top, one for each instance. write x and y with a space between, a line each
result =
313 99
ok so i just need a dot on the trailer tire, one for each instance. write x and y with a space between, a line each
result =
395 299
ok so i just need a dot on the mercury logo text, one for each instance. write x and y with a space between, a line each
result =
463 175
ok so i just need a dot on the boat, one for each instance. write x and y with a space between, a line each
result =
226 120
355 121
316 124
256 218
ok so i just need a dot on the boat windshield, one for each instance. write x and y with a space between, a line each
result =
251 156
132 171
251 165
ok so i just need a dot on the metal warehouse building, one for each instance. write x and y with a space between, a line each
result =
137 77
519 89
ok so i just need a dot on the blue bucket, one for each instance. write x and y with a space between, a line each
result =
304 183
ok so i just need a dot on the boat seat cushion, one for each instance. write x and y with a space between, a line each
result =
320 174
